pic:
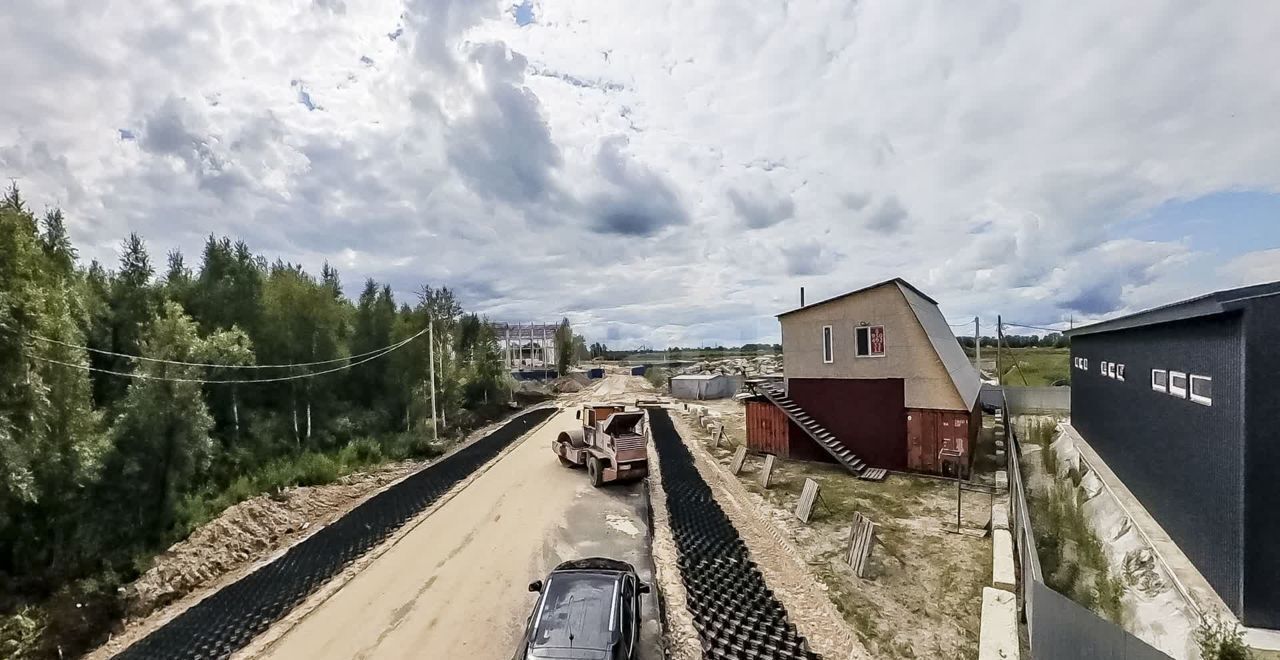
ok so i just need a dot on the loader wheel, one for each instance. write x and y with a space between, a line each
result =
594 471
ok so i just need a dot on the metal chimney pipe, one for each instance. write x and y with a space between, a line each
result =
802 296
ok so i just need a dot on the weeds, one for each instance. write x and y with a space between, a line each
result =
1221 639
1071 554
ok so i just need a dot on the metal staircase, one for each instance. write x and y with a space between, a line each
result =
825 439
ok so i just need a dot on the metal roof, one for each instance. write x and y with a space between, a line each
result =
963 376
898 280
697 376
1209 304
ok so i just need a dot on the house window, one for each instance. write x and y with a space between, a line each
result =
1119 372
1084 362
828 356
1202 389
1178 384
1103 367
1111 369
1159 380
869 341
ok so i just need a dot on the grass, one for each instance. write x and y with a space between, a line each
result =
1032 367
1070 552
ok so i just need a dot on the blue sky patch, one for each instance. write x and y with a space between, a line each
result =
523 13
1228 223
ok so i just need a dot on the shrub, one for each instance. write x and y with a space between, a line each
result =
360 453
1220 639
312 469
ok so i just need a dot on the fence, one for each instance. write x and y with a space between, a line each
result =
1028 399
1059 629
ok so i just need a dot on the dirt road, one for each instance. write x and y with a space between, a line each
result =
456 586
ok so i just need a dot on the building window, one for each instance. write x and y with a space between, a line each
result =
1159 380
1084 363
1103 367
1178 384
1119 372
828 355
1202 389
869 341
1111 369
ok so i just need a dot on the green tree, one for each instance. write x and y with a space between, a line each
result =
132 304
564 347
161 436
50 443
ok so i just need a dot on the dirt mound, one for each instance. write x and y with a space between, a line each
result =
248 532
566 385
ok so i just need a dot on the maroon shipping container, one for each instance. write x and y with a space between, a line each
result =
865 414
769 431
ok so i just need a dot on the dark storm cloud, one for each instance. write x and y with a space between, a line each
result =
760 208
888 218
503 149
637 200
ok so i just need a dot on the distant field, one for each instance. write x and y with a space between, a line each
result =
1029 366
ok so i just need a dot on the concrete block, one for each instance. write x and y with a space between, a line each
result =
1002 479
998 638
1004 574
1000 516
1000 444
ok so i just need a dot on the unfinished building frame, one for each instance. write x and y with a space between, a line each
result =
527 345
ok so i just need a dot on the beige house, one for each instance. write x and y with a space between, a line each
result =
880 368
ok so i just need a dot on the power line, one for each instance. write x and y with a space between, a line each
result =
275 379
228 366
1033 327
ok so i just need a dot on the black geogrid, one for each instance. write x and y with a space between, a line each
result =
226 621
735 613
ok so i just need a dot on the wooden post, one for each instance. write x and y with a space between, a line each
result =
431 362
999 343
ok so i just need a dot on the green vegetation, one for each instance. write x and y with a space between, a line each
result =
99 471
1221 639
1070 552
657 376
1030 366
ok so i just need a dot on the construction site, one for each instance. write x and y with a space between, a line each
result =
836 500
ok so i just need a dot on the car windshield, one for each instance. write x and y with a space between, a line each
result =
575 611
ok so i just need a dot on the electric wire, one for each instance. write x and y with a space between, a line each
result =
229 381
228 366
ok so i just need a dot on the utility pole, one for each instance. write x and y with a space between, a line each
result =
977 347
999 343
431 360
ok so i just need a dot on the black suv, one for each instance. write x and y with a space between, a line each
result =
588 609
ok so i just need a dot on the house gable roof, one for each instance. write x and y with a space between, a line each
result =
961 372
897 280
1209 304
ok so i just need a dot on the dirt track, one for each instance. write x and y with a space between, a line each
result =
456 586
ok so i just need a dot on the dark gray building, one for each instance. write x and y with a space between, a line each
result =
1183 403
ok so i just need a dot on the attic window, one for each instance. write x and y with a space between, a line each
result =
869 341
827 355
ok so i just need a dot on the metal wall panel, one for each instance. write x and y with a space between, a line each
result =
767 429
1184 461
1262 479
1063 630
865 414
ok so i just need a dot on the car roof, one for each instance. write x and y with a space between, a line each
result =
595 564
577 610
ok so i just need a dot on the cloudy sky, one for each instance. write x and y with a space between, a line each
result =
672 171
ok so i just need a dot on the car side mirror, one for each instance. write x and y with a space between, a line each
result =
644 588
535 586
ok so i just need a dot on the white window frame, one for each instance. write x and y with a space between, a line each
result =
828 345
1180 392
869 353
1102 367
1120 372
1111 370
1160 388
1085 363
1191 389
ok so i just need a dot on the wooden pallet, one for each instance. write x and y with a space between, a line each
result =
862 536
873 474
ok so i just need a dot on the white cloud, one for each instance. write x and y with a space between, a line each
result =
606 161
1254 267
